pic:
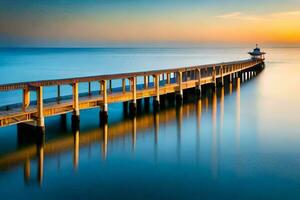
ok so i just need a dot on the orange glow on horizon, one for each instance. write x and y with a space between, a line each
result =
234 27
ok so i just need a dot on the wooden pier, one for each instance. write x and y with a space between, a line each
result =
168 81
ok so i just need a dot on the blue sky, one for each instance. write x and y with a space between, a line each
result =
117 22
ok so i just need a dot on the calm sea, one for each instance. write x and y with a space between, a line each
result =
242 142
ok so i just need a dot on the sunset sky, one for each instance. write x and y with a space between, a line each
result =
108 22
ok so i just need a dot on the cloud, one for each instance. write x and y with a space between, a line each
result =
232 15
286 14
275 15
238 16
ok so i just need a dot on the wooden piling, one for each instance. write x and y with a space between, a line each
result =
179 93
40 107
145 82
26 98
198 87
110 86
58 94
156 100
124 85
168 78
89 89
133 101
75 115
104 108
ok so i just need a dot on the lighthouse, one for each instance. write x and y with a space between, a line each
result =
256 54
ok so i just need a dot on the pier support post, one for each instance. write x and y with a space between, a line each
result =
26 98
179 94
29 133
147 104
198 87
104 109
139 105
156 99
168 78
101 88
124 85
63 121
125 108
222 77
89 89
214 77
110 86
132 106
40 109
239 74
58 94
242 77
146 82
230 78
75 115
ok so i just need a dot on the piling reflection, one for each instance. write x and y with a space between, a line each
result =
76 149
27 170
37 154
156 133
132 126
179 127
214 136
198 121
206 102
222 111
133 133
40 163
104 141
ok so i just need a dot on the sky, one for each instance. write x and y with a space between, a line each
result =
120 22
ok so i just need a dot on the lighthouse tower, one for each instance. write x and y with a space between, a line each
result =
256 54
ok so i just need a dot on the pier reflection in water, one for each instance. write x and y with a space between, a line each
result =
112 133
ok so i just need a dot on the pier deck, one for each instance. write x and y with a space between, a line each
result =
164 82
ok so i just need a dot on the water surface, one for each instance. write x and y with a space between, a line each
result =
242 142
